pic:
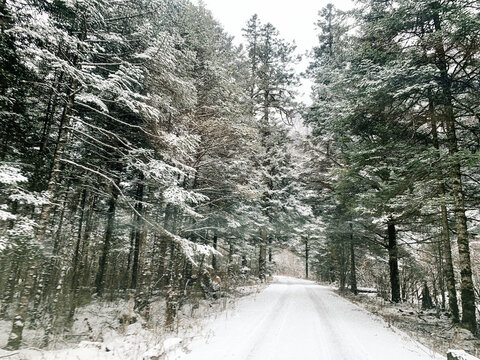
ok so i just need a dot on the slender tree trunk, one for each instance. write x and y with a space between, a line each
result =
164 244
353 271
143 292
139 232
404 285
40 166
441 273
76 252
172 270
262 260
40 288
9 288
307 251
270 250
332 274
215 244
434 292
173 288
427 302
342 267
16 334
187 274
393 262
76 258
102 266
52 313
162 258
231 251
128 276
84 263
20 317
449 272
62 140
466 287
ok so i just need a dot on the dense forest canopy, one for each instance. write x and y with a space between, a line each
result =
144 153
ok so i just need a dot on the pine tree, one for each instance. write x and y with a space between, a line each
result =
271 89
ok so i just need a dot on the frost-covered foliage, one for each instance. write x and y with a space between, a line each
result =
11 175
18 226
392 126
134 158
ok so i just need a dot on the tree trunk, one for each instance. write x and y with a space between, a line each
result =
62 140
353 271
84 263
128 277
231 251
393 262
426 298
466 286
20 317
171 306
307 250
53 102
102 266
139 232
214 257
341 260
9 288
162 258
16 333
164 242
52 313
262 260
173 288
441 274
446 244
76 258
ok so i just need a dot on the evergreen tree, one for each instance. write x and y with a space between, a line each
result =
271 89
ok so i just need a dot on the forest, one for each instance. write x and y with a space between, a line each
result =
145 154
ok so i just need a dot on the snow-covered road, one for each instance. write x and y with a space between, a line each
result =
297 319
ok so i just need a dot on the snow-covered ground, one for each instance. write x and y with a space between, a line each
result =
298 319
290 319
432 327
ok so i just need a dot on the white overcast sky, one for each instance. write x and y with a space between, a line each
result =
294 19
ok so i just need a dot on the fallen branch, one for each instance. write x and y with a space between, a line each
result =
8 355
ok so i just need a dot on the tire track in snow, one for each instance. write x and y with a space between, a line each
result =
334 345
266 323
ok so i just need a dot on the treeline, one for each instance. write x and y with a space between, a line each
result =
141 152
394 149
